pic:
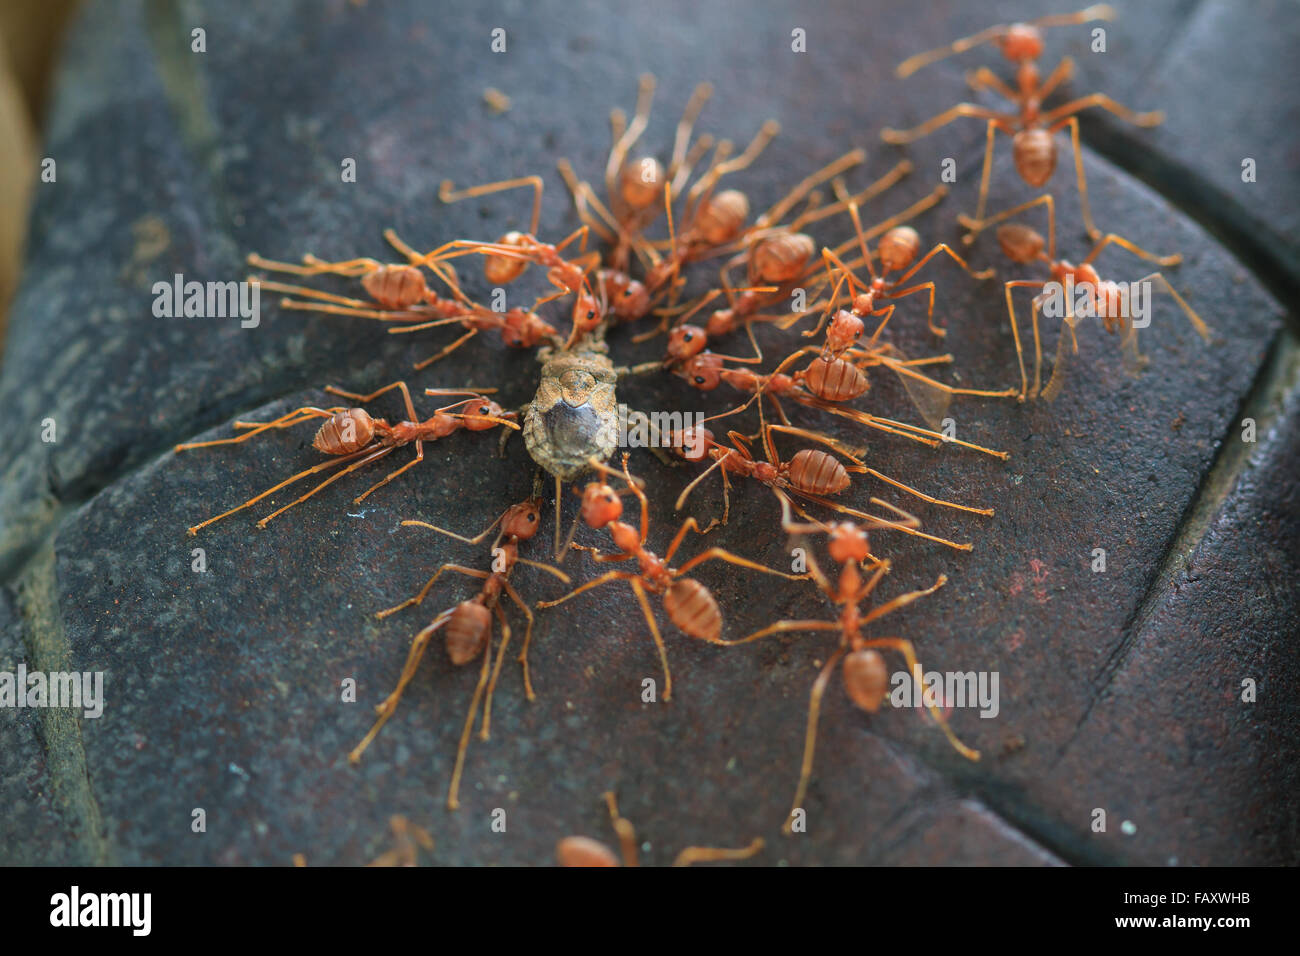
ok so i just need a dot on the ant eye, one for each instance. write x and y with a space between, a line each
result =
591 314
699 380
688 336
532 517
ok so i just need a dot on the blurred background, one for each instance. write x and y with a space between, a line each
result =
30 31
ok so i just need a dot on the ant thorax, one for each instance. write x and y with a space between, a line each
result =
573 416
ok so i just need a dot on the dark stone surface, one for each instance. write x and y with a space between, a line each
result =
224 686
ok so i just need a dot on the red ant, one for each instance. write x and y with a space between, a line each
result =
811 473
356 439
634 188
865 675
826 383
403 295
1032 130
585 852
469 626
897 250
689 603
1109 300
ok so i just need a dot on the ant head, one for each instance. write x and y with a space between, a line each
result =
476 412
704 371
898 248
1020 243
848 543
522 520
586 311
686 341
1021 42
693 443
632 301
600 505
844 330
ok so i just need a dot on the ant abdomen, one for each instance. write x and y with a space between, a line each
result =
817 472
866 678
345 432
395 287
782 258
467 631
1034 152
693 609
721 217
835 380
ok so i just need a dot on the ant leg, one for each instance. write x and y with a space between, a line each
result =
885 523
297 416
945 248
645 503
982 202
639 590
313 266
909 654
914 63
453 791
1015 333
1057 381
485 731
593 583
986 79
623 827
1154 118
1064 70
901 601
1141 253
902 137
979 225
709 854
721 554
1201 328
448 193
366 399
425 363
528 637
699 96
628 137
288 481
810 735
373 456
782 627
386 709
1089 227
681 499
584 201
829 171
912 211
901 369
921 494
419 457
428 586
1035 305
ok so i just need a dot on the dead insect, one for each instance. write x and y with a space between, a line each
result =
586 852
